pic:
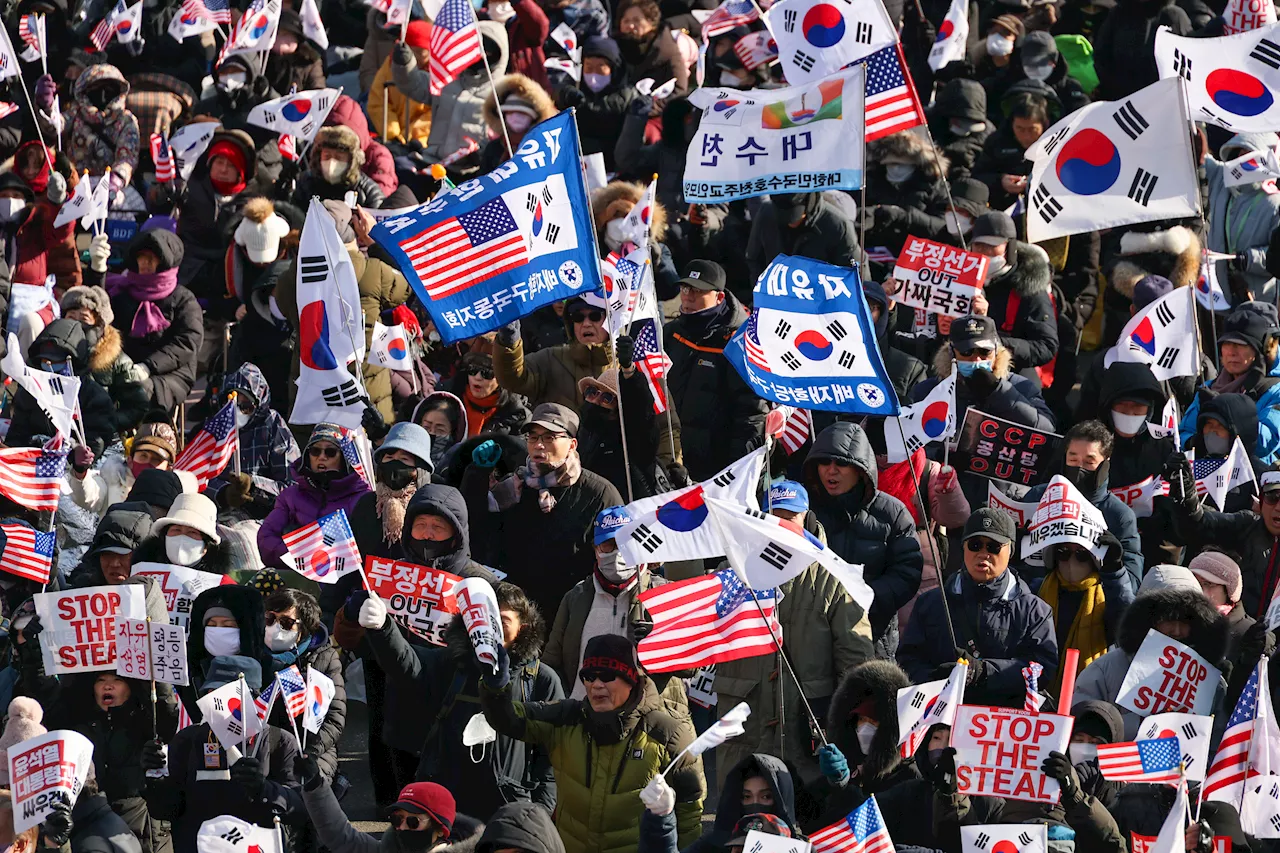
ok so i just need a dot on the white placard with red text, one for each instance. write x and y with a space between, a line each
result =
1168 676
44 770
79 626
478 605
144 649
999 752
938 278
180 586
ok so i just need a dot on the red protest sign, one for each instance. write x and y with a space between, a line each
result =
999 752
419 598
1168 676
938 278
1147 843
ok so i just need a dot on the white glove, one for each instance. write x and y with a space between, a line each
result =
373 613
658 797
56 191
99 251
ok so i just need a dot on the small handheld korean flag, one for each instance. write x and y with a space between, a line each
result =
953 35
299 115
390 347
1253 167
313 24
1005 838
1235 471
922 706
1113 163
1192 732
190 141
232 716
320 690
932 419
1209 291
730 725
1172 837
228 834
1161 336
816 38
76 206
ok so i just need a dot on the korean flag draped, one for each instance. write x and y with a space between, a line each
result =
1162 336
1113 163
952 37
502 245
932 419
1005 838
299 115
810 341
330 327
819 37
1231 81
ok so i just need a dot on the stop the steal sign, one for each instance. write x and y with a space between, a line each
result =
999 752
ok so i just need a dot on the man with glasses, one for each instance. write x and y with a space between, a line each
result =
489 407
551 375
267 448
999 625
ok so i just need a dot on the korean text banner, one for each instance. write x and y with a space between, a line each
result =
502 245
810 341
761 141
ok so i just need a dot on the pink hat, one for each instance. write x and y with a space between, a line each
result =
1216 567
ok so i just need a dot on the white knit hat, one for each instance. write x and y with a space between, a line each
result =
193 511
261 240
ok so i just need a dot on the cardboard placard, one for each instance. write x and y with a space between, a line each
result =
1168 676
44 770
1003 450
701 687
79 626
180 586
938 278
999 752
1064 515
143 649
419 598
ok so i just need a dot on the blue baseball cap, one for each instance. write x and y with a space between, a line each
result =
788 495
610 521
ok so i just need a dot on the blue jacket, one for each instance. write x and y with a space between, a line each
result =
1267 447
1120 521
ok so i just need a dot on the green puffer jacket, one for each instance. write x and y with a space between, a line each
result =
599 776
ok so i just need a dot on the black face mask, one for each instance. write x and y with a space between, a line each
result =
396 475
99 97
414 840
426 550
322 480
1087 481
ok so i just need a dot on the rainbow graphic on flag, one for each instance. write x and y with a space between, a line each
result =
804 110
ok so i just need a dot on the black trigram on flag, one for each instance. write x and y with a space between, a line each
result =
1275 821
268 116
1024 838
1053 141
1168 357
724 478
312 269
233 835
982 841
55 385
917 700
803 61
837 330
1130 120
1189 730
1045 204
939 708
646 538
1181 64
845 360
789 20
782 329
862 33
1164 314
341 396
1268 53
776 556
789 359
1144 184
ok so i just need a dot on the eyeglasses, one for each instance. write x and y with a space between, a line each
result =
286 622
477 370
1271 498
543 438
594 394
326 452
1067 552
978 544
583 316
604 677
245 406
410 821
979 353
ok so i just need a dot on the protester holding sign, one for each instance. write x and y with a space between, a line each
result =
108 561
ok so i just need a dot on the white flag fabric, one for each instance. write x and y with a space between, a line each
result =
57 395
817 38
767 551
33 53
9 66
77 205
256 30
299 115
227 834
675 525
629 290
129 25
398 12
953 35
390 347
1254 167
1172 837
189 142
1236 471
1240 16
932 419
232 717
99 201
921 706
1260 814
1168 426
637 223
313 24
1000 837
1193 733
1161 336
320 690
1231 81
1209 291
568 39
730 725
188 23
1113 163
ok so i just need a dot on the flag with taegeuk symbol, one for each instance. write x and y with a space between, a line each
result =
860 831
213 448
325 549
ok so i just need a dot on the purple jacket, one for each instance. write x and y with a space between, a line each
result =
302 503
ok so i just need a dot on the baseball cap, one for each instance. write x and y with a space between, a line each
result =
704 275
993 229
995 524
429 799
1270 481
609 521
788 495
555 417
973 331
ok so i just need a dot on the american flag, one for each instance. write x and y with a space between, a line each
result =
162 157
265 700
1229 768
455 43
756 49
653 362
212 450
729 14
325 549
751 343
106 28
892 104
288 146
30 30
32 476
466 249
184 717
7 109
218 11
28 553
1156 760
351 453
861 831
796 428
705 620
1031 678
294 690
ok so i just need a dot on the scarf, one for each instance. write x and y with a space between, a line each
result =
390 505
479 410
1225 384
286 658
1088 631
148 290
506 493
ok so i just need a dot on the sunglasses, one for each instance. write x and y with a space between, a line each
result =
326 452
596 675
978 544
593 394
477 370
1066 552
1271 498
286 622
245 406
410 821
583 316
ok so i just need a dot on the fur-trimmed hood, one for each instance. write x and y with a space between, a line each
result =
338 138
879 681
1002 364
522 86
1171 252
106 350
1027 269
615 200
911 148
1209 629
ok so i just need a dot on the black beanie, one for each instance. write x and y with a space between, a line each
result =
612 653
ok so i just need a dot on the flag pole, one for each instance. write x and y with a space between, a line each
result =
151 668
817 725
662 347
35 116
1204 226
244 719
622 423
44 47
497 102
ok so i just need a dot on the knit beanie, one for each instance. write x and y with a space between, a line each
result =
23 723
325 432
1216 567
612 653
260 230
514 103
418 34
90 297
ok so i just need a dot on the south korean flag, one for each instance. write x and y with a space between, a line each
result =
1113 163
1231 81
1162 336
1192 732
1005 838
810 344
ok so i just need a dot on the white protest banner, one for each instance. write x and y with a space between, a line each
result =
1140 497
478 604
143 649
1240 16
999 752
805 138
1139 843
1020 510
1064 515
938 278
1192 732
758 842
79 626
1005 838
701 687
44 770
419 598
1166 675
180 586
228 834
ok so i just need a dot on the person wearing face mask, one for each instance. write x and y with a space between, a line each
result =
490 408
1220 578
323 483
101 133
238 88
225 620
959 125
1097 723
906 175
997 48
108 364
187 535
605 94
402 465
552 374
333 170
520 104
1219 423
293 59
423 818
267 448
601 437
610 207
1241 221
813 225
109 560
97 487
1039 60
759 784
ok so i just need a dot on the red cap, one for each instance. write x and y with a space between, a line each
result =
430 799
418 34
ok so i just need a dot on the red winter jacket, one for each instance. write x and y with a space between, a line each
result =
378 163
527 32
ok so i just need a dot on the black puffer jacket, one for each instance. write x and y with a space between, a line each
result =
905 370
730 808
98 413
96 828
828 235
245 603
960 100
1134 459
1020 302
866 526
520 826
1124 47
600 441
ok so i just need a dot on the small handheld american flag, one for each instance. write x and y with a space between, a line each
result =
31 31
1156 760
892 104
106 28
218 11
265 700
28 553
294 690
454 45
729 14
212 450
1031 678
861 831
1230 765
162 157
32 476
705 620
325 549
652 361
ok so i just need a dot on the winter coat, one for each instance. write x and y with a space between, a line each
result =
378 162
1134 459
966 100
390 124
268 449
509 413
865 525
233 108
1241 219
1120 521
378 40
1000 622
828 235
97 139
599 773
495 153
1243 533
616 200
600 441
1069 91
522 826
303 503
659 59
1124 46
245 603
1128 255
322 655
1239 414
721 418
1001 155
160 101
312 183
119 377
549 375
334 832
905 370
527 32
96 409
105 484
208 218
601 116
446 685
32 243
925 191
1020 302
303 68
658 835
1209 637
95 828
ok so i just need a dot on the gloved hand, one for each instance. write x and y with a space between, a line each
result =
625 345
99 251
496 682
236 493
401 55
889 215
570 97
56 828
1255 642
834 765
981 383
946 480
639 630
1058 766
641 105
56 190
307 771
486 454
153 755
33 628
1182 482
135 47
977 672
46 90
81 459
1240 263
678 476
1113 560
247 772
658 797
373 613
355 601
509 334
375 426
943 773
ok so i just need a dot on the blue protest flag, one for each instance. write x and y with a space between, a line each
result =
810 341
502 245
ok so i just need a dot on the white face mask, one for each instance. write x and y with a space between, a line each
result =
242 418
995 266
478 732
1079 753
899 172
613 569
231 82
280 640
184 550
866 732
960 128
614 233
333 170
958 223
10 208
596 82
519 122
998 45
1039 73
1128 425
222 641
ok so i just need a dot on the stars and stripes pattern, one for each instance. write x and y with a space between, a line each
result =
464 250
184 717
1031 678
861 831
31 31
455 43
756 49
265 700
751 343
7 109
705 620
351 453
325 549
293 687
796 427
28 553
892 104
213 448
1155 760
729 14
32 476
218 11
106 28
652 362
162 158
288 147
1230 765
